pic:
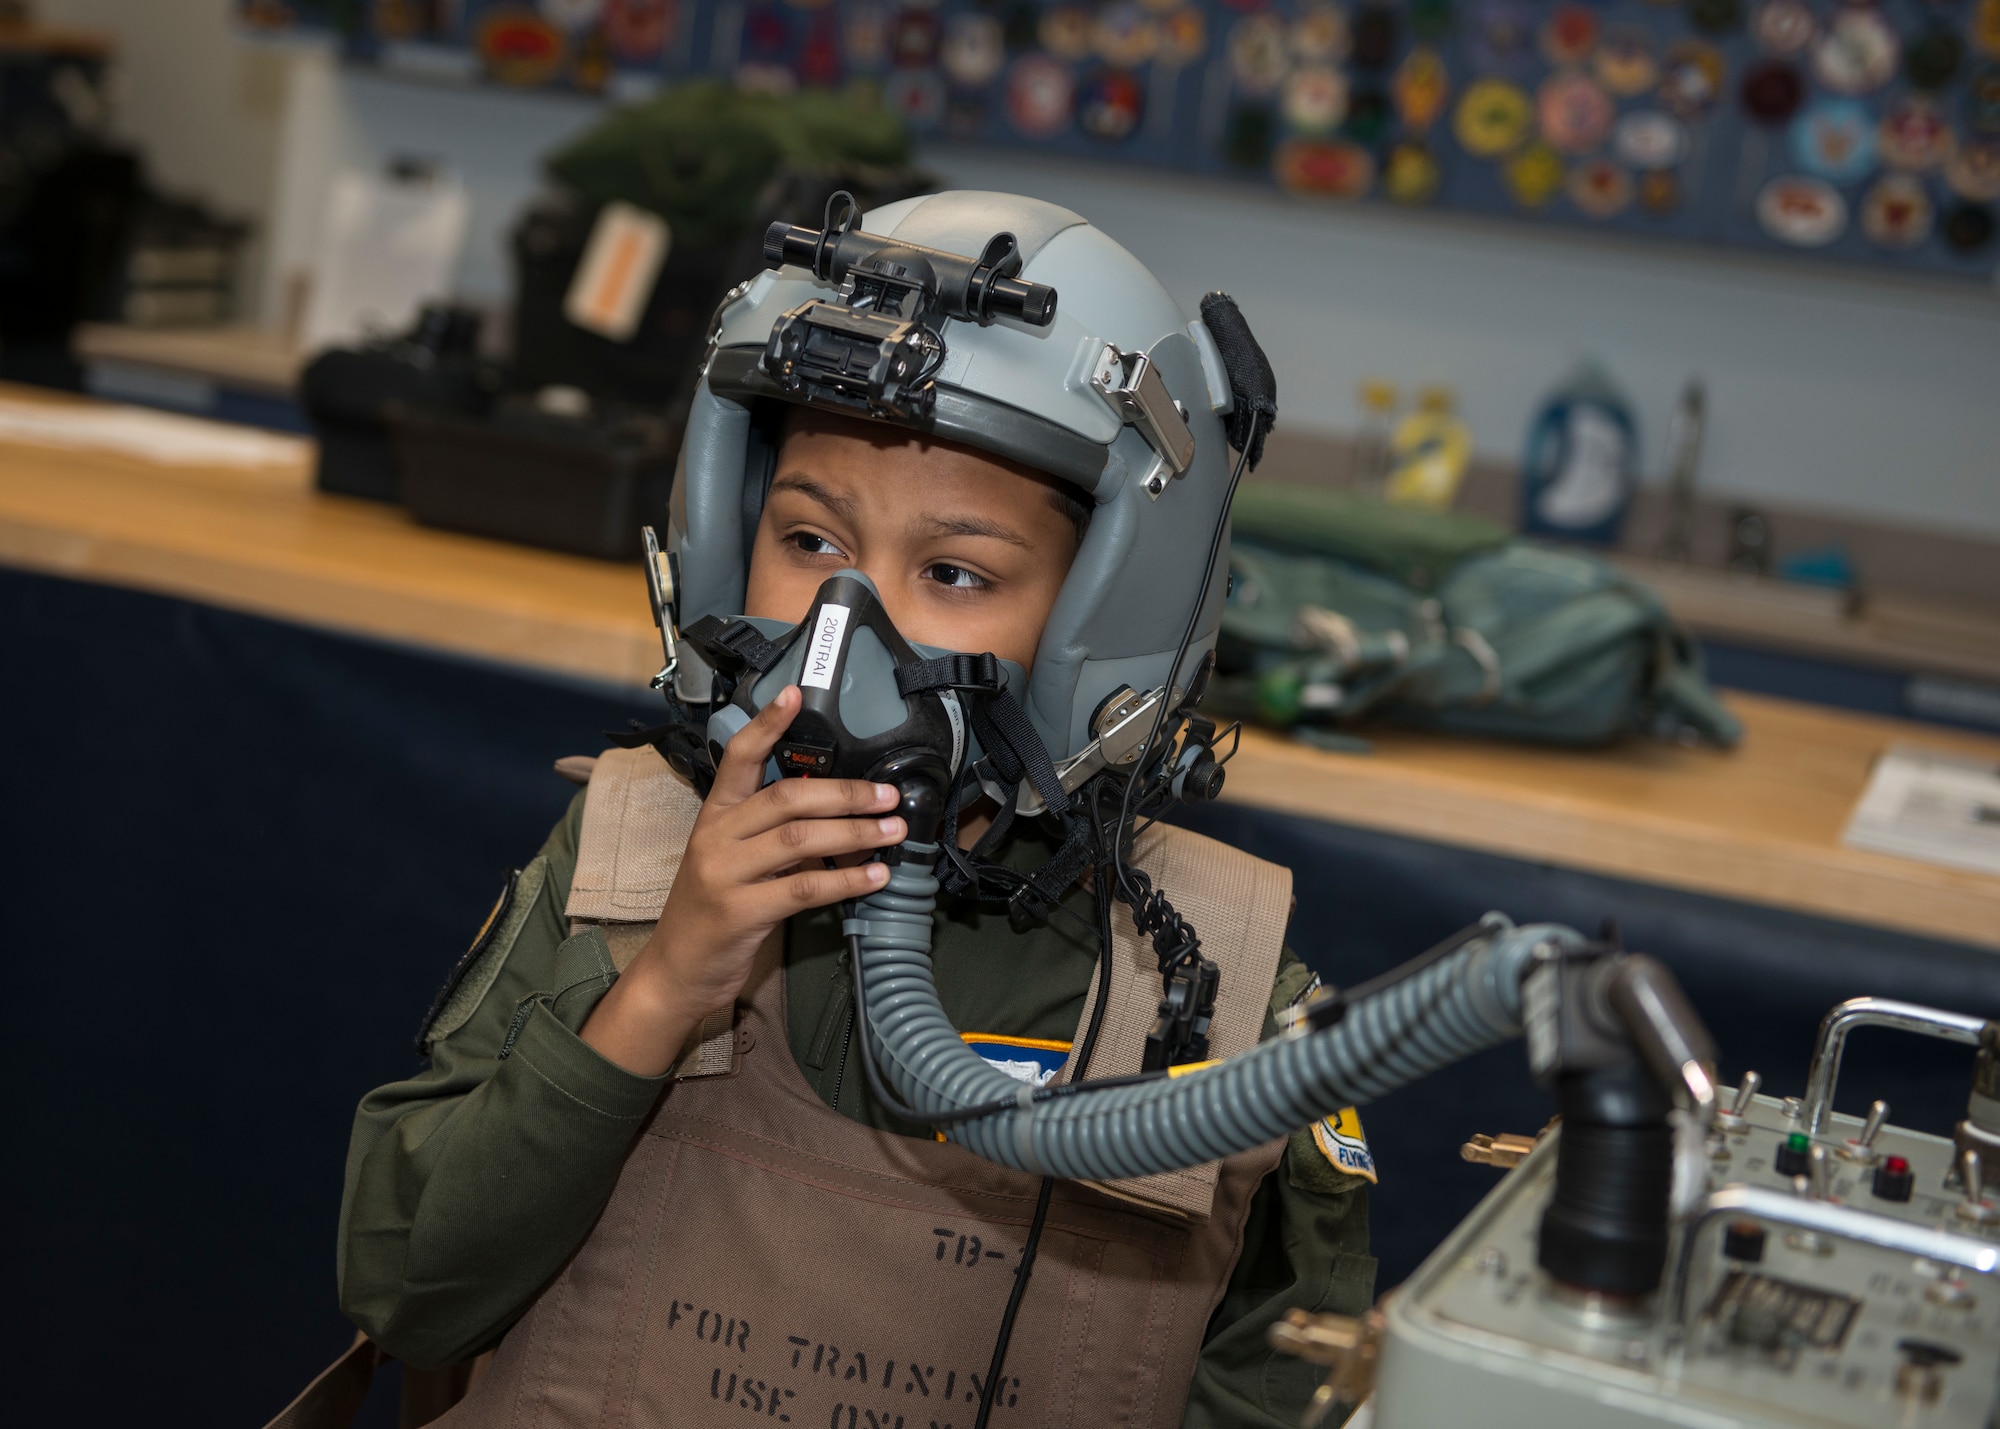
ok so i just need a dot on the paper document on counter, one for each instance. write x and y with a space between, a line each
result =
1942 808
159 437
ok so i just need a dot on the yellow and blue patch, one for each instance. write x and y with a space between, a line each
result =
1345 1146
1034 1060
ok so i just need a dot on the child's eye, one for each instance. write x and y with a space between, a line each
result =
813 545
957 577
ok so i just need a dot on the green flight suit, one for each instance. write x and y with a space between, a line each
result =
470 1183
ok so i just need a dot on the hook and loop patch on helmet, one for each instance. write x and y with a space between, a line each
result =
1251 381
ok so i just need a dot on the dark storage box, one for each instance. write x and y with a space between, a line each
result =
659 363
575 483
659 360
350 393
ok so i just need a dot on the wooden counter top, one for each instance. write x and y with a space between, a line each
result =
244 356
1761 824
263 540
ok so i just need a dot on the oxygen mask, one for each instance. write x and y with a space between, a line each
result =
872 705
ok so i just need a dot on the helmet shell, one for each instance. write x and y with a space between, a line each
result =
1022 392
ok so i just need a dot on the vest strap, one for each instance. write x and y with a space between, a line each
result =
637 817
1241 904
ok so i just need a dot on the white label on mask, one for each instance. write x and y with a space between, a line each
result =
823 652
956 714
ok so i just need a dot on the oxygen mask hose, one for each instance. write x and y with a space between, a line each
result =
923 1070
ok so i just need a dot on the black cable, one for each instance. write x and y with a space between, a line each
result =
997 1366
1101 887
1138 895
990 1391
1403 972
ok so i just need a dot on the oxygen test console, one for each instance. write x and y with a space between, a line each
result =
1822 1269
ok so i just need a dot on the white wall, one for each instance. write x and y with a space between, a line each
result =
1844 390
490 140
1834 389
206 110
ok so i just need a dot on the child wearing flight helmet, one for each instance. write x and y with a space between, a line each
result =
951 546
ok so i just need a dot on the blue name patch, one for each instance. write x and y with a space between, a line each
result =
1033 1060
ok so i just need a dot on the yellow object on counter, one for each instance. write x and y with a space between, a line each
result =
1429 453
1379 400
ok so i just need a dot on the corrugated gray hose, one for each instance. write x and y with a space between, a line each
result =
1467 1001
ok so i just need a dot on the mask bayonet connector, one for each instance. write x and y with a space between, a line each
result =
1132 387
1118 731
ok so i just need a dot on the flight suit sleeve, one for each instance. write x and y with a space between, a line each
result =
1305 1246
469 1184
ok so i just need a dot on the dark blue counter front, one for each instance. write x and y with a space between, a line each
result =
240 856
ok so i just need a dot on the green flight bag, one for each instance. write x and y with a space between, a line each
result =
1342 607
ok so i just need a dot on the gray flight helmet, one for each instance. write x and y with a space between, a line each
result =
1051 397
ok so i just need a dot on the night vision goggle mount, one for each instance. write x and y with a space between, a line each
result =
876 347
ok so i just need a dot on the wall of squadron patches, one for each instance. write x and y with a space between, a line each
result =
1863 132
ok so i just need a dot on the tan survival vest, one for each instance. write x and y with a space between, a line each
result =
765 1259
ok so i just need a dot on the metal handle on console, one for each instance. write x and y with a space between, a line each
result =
1873 1012
1829 1219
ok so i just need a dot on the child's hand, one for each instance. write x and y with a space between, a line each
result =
756 857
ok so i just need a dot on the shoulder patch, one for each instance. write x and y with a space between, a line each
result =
1341 1141
1331 1156
467 984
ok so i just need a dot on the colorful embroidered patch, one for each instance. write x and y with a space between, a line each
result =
1034 1060
1342 1142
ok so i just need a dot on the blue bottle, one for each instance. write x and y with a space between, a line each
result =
1582 461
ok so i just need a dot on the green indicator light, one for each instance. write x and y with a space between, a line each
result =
1798 1141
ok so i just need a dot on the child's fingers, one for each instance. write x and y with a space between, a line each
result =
740 771
807 839
820 887
789 800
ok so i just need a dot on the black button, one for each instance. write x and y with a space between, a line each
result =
1894 1180
1925 1354
1792 1160
1743 1240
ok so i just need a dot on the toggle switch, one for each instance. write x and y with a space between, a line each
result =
1737 1117
1862 1148
1975 1207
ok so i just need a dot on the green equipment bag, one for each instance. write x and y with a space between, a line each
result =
1342 606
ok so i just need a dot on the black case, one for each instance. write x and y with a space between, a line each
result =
351 393
659 363
584 484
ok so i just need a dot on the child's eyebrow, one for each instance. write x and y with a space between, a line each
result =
972 526
841 506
